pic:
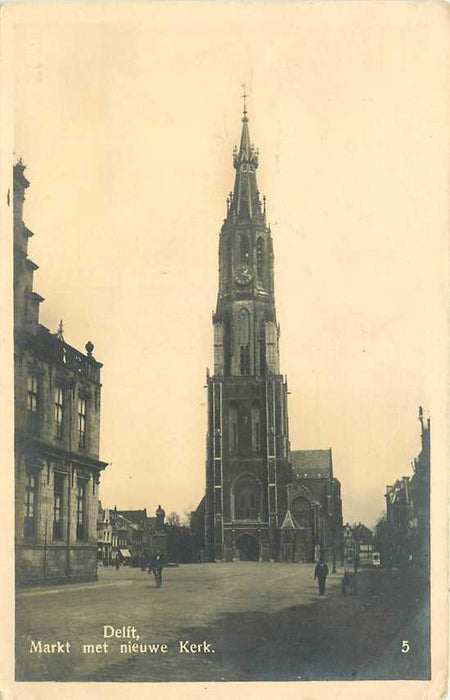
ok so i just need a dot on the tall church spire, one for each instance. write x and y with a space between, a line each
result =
247 468
245 203
245 326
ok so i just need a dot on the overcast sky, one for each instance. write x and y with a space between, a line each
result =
127 129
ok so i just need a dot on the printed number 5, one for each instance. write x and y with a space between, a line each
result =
405 646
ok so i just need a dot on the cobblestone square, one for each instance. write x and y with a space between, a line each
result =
248 621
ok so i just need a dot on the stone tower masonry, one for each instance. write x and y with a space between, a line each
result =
247 463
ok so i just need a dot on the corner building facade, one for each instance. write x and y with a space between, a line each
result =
57 431
247 464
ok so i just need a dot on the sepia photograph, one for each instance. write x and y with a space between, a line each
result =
227 229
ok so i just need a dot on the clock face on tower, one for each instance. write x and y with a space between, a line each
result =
244 274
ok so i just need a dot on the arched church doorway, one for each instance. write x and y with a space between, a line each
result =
247 548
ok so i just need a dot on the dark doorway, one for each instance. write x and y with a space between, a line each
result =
247 548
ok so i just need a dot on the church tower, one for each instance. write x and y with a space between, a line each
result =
247 468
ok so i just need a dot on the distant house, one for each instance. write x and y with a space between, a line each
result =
128 534
105 537
399 516
362 534
358 539
112 535
349 543
408 508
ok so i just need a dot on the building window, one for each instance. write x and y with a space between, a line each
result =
245 360
81 422
244 327
58 485
30 505
262 347
247 498
218 348
32 402
81 498
59 412
260 260
301 510
271 347
233 428
256 428
244 249
244 339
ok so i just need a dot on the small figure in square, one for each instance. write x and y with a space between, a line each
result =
321 573
348 582
155 567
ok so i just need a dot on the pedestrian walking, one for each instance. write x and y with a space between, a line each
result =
155 567
321 573
349 581
117 563
158 569
356 561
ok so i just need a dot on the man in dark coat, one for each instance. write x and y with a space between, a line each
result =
155 567
321 573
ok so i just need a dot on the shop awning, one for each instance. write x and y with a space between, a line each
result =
125 553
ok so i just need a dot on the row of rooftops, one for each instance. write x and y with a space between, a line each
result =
134 519
124 519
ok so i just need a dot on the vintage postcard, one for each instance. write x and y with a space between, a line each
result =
225 268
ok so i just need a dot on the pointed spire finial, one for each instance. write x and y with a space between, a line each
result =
60 331
244 97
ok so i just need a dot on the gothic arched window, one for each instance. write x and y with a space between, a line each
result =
260 260
244 327
271 347
262 346
256 428
245 360
301 510
244 341
233 437
247 498
245 249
